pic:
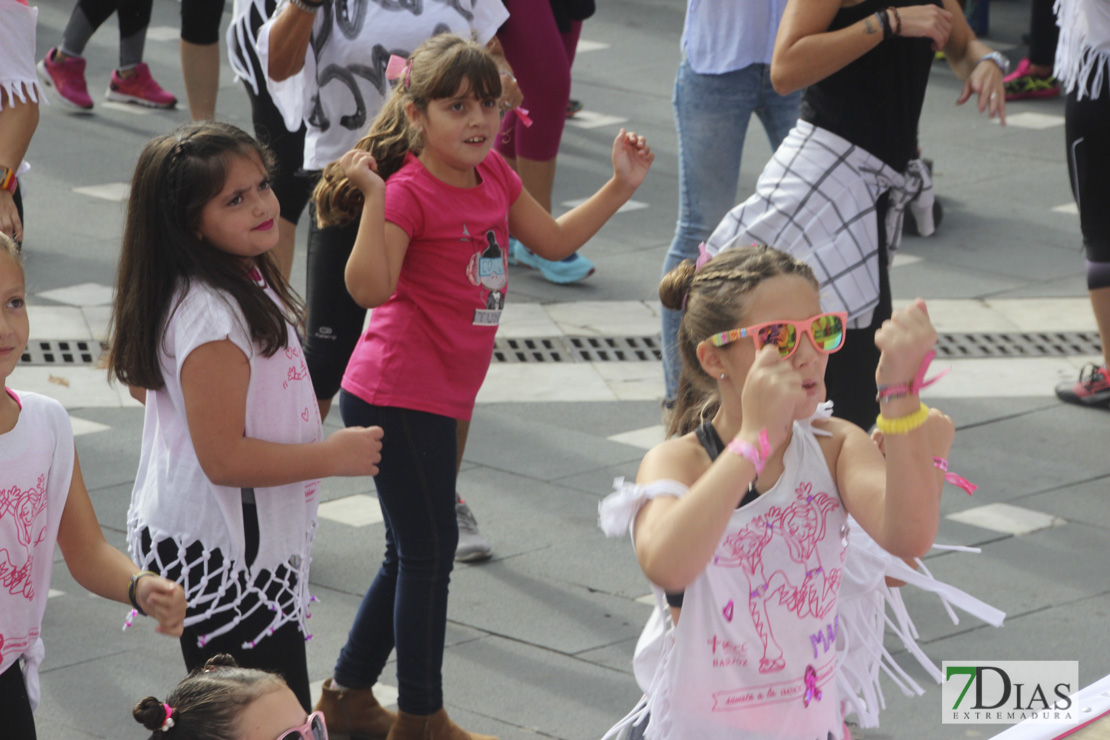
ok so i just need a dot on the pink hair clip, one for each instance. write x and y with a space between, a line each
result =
168 722
703 257
398 66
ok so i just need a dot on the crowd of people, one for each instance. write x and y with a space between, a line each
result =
777 317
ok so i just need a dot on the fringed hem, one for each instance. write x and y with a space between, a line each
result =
1080 65
223 604
22 90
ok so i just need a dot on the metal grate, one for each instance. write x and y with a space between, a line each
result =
62 352
649 349
1018 344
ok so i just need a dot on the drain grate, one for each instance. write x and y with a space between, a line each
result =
649 349
62 352
1018 344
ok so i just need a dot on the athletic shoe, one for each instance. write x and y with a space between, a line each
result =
140 89
571 270
1092 389
472 545
574 107
1023 83
67 78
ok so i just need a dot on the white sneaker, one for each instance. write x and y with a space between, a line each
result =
472 545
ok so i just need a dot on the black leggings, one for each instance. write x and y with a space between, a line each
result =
200 21
850 375
334 319
89 15
15 706
1043 34
1087 130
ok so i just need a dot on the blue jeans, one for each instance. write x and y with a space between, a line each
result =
711 116
406 605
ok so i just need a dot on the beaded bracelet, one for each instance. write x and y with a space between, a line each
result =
131 589
897 20
902 424
756 456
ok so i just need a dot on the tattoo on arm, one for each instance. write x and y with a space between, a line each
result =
869 27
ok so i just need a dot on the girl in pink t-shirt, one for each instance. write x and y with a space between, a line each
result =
431 260
43 500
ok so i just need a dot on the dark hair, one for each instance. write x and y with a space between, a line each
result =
712 300
437 69
175 177
207 704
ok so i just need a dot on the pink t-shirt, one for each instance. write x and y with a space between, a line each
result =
429 346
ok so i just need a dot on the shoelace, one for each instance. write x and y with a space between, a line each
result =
1093 375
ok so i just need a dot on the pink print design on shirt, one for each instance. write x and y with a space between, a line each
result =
22 507
800 527
298 370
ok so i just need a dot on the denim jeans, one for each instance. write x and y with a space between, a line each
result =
406 605
711 116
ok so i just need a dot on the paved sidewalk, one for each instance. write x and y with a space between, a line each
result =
540 638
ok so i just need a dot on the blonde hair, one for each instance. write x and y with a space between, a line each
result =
10 248
714 299
437 69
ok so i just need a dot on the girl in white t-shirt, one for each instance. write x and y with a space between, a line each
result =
747 539
203 328
43 500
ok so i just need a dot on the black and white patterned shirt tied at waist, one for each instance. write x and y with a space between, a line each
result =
815 200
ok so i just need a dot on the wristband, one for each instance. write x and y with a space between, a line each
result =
902 390
757 456
884 23
902 424
307 6
8 180
131 589
959 481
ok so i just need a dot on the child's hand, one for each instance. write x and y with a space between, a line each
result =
772 390
163 600
356 450
942 431
362 170
904 339
632 158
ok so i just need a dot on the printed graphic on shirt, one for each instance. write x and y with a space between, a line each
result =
20 511
793 532
488 269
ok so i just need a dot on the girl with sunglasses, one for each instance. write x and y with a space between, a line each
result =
740 519
221 701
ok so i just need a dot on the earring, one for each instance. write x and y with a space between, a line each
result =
722 376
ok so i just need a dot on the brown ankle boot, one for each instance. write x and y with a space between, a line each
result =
354 712
437 726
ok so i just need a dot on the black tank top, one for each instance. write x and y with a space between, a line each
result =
713 445
875 102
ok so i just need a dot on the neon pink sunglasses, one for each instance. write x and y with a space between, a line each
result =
825 330
313 729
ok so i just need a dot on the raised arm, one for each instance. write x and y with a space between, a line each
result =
214 381
897 499
104 570
290 35
983 77
806 51
554 239
18 121
375 263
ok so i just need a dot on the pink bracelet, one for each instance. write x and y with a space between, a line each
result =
959 481
901 390
756 456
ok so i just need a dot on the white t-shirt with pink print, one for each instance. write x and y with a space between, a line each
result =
174 506
36 468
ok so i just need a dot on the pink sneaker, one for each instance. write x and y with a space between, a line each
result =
140 88
67 78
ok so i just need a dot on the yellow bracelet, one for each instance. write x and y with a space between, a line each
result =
903 424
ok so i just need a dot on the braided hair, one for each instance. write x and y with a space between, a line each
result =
713 299
207 704
175 177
